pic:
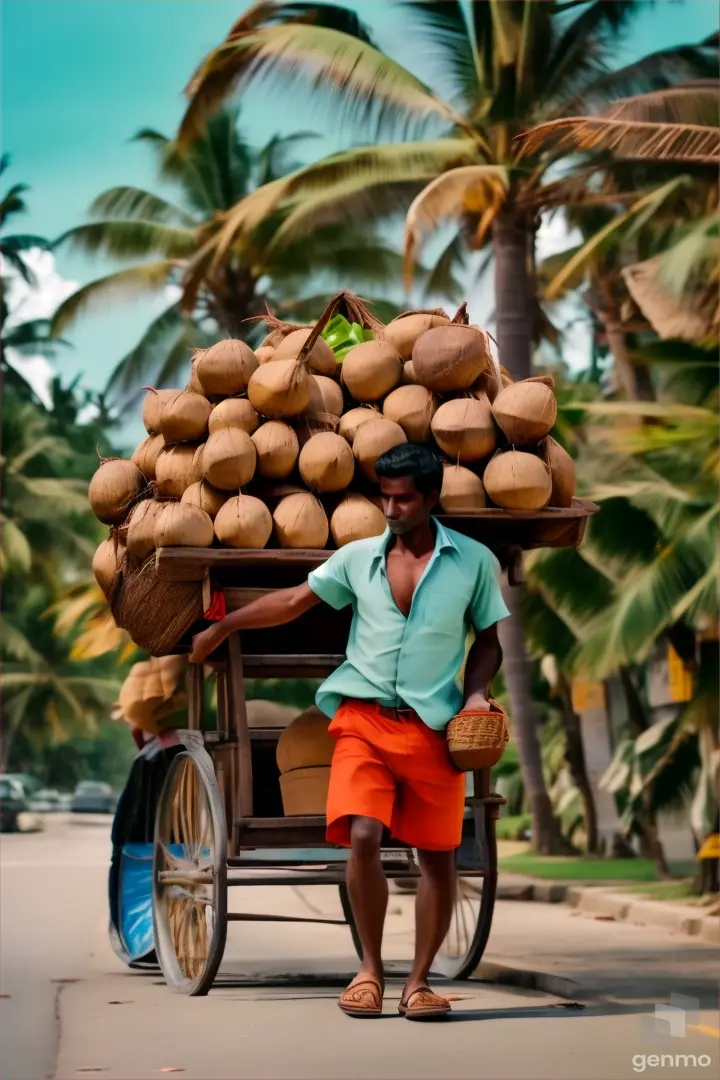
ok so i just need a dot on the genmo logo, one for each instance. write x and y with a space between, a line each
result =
641 1062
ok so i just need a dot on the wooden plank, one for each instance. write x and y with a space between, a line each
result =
305 821
238 716
194 681
190 564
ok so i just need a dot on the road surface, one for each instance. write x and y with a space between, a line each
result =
70 1009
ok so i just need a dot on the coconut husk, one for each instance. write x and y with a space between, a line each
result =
371 370
464 428
461 317
518 481
462 490
562 471
449 358
156 614
525 411
354 418
326 463
403 336
413 408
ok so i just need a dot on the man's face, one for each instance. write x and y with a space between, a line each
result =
405 507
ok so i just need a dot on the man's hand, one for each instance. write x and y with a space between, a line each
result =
477 703
205 643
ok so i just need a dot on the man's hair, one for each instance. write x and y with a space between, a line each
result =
418 462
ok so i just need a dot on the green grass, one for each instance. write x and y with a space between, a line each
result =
512 826
663 890
579 868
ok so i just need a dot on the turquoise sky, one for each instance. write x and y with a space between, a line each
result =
81 76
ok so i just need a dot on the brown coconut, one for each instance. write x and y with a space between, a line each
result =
277 450
146 454
371 370
280 390
228 459
194 383
113 490
107 562
153 404
205 496
413 408
464 428
403 332
451 357
326 462
518 481
305 742
356 518
409 376
300 522
264 354
562 472
462 490
141 527
525 411
183 525
321 360
233 412
244 522
326 396
225 368
352 420
178 467
374 439
185 418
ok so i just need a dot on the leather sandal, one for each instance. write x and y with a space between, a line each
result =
424 1004
363 998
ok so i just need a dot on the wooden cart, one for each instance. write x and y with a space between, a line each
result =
219 821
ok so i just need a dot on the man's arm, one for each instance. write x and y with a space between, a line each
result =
275 609
483 663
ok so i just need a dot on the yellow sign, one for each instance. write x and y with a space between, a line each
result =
680 682
711 848
587 695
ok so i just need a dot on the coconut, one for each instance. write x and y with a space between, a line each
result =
233 412
464 428
225 368
228 459
106 563
325 396
327 462
194 383
113 489
374 438
178 467
562 473
352 420
153 405
409 376
182 525
412 407
185 417
461 491
451 357
371 370
525 411
264 354
518 481
277 450
146 454
301 522
280 389
321 359
356 518
141 527
244 522
403 332
205 496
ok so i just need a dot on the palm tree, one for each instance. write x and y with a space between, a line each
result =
508 66
168 245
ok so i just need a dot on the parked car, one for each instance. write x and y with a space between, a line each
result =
93 797
16 812
47 801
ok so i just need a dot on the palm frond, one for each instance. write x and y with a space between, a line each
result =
365 85
444 39
141 364
22 242
272 12
631 139
132 239
131 203
121 285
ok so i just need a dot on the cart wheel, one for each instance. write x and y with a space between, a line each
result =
190 909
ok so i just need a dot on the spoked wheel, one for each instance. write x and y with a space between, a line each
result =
190 876
462 949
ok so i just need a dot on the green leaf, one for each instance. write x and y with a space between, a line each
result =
124 285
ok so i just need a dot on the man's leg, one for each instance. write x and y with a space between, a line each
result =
368 889
433 912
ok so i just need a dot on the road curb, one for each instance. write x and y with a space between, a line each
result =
489 971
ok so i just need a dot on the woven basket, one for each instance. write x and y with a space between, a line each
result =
157 614
477 740
305 791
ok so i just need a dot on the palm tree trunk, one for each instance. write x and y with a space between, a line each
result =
575 757
513 239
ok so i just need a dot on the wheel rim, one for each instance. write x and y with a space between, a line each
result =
190 916
464 921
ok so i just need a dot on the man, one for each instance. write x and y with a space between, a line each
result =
416 592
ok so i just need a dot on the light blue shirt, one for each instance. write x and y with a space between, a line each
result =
414 660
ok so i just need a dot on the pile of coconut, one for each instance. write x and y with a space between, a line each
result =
277 446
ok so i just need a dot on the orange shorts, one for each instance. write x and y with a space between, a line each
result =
397 771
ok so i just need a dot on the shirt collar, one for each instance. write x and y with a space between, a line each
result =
443 542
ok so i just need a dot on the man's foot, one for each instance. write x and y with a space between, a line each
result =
363 998
422 1003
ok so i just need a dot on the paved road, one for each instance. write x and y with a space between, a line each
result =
261 1024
